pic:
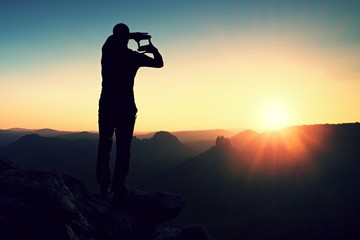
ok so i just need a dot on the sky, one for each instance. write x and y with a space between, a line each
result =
228 64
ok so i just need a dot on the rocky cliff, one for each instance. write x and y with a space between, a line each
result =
38 204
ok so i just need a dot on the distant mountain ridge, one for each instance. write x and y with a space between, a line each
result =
296 183
195 135
66 155
292 184
75 153
198 140
10 135
162 145
80 135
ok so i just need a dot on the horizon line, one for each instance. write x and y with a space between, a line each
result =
234 130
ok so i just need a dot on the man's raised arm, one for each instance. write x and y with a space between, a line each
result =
157 61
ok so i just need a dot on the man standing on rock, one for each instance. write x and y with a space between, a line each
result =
117 109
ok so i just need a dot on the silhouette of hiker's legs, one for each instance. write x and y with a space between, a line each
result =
123 126
106 132
124 133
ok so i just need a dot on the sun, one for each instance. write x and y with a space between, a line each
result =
275 116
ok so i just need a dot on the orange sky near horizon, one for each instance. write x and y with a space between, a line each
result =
261 77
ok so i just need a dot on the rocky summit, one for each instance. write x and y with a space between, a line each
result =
38 204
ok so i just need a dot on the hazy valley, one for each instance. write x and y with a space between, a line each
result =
297 183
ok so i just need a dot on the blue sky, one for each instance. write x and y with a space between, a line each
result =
59 26
36 20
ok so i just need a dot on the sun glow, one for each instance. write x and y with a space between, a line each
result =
275 117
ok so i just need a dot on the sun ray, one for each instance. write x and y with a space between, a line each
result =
290 151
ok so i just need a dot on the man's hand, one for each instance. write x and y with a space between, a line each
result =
151 48
157 61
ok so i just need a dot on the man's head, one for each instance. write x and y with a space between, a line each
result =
121 31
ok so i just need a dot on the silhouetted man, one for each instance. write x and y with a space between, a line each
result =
117 109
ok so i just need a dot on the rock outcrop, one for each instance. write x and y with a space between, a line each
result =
38 204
